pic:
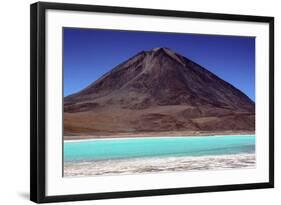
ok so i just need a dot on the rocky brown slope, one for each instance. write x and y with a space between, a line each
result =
158 90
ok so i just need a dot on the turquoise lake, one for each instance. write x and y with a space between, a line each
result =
108 149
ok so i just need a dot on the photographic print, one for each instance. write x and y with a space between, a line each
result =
137 102
132 102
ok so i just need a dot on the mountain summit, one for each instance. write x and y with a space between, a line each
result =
158 90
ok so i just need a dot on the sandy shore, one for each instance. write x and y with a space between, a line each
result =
154 134
158 164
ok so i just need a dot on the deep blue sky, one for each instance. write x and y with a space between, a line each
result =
89 53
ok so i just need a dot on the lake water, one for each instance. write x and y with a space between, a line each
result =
151 147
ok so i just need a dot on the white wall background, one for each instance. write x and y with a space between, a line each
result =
14 101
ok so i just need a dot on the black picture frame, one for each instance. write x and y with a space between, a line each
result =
37 101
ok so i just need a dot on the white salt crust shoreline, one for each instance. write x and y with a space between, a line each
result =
158 164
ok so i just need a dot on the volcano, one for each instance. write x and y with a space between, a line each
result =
158 90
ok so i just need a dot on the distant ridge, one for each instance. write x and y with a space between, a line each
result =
158 90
